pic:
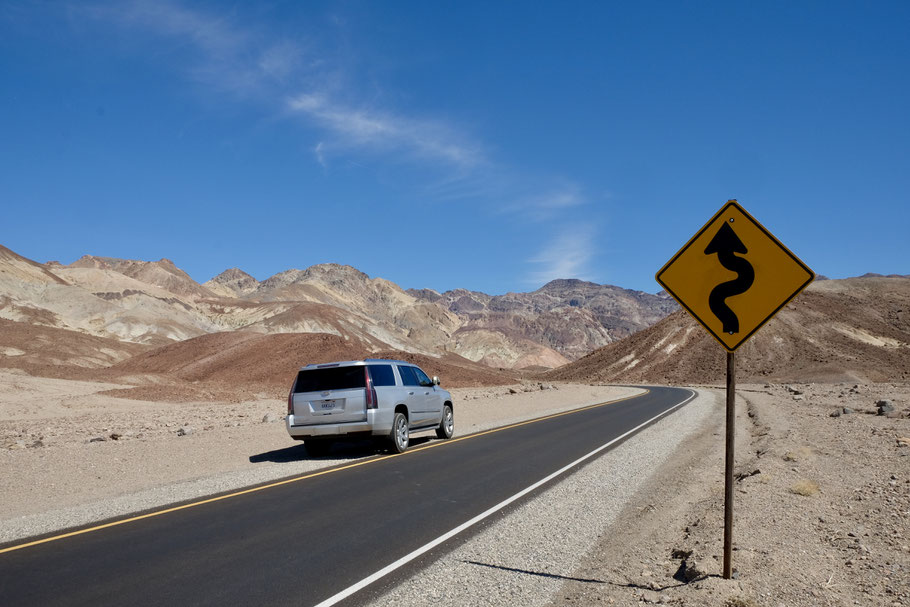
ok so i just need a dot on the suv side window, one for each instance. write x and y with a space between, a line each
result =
422 377
382 375
408 377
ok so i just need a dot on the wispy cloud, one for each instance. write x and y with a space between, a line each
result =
554 202
384 130
568 255
320 158
294 79
217 51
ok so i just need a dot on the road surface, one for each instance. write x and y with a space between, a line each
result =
327 536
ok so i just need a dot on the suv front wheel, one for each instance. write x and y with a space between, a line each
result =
400 433
447 426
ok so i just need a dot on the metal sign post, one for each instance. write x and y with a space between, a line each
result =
728 466
733 276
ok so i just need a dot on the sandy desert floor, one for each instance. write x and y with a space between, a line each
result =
822 500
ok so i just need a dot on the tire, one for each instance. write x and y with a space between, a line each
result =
447 426
317 447
399 436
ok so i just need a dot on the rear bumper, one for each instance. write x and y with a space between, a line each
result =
376 424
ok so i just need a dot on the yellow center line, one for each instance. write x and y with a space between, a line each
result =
305 477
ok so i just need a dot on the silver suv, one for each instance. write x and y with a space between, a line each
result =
373 397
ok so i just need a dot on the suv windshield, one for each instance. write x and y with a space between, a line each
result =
334 378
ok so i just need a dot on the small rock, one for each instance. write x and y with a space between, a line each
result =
116 436
268 418
794 391
97 439
693 571
903 441
680 553
835 413
513 391
798 397
884 407
185 431
847 411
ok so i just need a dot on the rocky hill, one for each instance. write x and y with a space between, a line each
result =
156 303
852 330
571 317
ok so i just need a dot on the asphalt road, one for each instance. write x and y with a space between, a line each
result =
302 542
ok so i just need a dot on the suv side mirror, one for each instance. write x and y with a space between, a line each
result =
435 380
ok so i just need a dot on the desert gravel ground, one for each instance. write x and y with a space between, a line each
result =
822 509
822 500
70 455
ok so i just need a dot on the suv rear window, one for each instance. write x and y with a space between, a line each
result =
333 378
382 375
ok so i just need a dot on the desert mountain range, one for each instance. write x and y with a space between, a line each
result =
156 303
101 318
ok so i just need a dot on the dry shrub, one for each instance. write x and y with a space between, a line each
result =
805 488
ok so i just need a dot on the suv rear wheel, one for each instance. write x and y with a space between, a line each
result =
447 426
400 433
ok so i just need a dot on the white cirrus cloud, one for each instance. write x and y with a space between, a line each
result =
567 255
384 130
231 56
551 203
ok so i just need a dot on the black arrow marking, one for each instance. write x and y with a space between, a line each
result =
726 244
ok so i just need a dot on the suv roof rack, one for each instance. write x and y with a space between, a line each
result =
347 363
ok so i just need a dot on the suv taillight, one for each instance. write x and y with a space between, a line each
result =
371 398
291 400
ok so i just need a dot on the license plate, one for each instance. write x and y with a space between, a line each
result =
327 405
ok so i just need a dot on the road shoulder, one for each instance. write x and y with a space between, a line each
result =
525 557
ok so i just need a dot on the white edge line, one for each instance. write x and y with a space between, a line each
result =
486 514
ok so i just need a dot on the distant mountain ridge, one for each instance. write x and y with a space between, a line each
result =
570 316
156 303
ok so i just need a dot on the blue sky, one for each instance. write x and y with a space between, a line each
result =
491 145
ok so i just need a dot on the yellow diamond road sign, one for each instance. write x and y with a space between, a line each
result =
733 276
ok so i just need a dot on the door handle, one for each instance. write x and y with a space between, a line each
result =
411 393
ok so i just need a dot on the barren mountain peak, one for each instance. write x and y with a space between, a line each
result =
567 283
232 282
232 274
334 269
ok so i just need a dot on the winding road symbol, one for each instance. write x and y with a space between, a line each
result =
732 295
726 244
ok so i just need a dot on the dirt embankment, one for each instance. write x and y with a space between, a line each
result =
821 512
241 365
